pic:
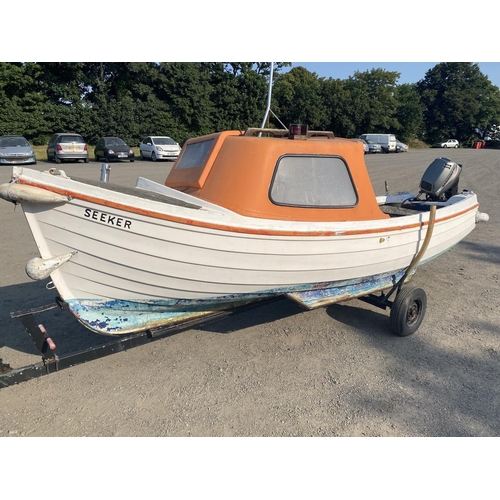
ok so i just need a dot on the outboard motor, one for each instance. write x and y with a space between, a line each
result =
440 180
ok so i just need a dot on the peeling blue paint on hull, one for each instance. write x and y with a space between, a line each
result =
311 299
117 317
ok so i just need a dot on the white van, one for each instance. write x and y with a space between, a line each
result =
387 141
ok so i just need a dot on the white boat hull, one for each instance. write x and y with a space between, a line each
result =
141 263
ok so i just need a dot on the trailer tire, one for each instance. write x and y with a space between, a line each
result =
408 310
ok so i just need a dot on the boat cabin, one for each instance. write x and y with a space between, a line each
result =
294 174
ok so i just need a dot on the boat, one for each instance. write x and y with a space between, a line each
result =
243 216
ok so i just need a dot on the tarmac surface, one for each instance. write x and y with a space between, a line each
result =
276 370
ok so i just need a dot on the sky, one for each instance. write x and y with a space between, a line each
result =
411 72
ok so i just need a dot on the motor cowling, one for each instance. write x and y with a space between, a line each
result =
440 180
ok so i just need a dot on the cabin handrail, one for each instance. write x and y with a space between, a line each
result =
321 133
276 132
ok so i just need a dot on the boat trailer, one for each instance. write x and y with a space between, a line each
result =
411 309
52 363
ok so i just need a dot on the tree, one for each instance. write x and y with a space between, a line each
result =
229 82
409 112
297 99
338 101
458 99
365 102
20 100
124 101
136 99
373 100
186 89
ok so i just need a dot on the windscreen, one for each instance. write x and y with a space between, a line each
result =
312 181
115 141
13 142
195 154
164 141
70 138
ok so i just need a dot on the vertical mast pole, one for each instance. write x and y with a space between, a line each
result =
268 96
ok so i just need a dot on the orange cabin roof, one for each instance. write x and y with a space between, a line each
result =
248 174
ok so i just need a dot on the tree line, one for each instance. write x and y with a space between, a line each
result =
187 99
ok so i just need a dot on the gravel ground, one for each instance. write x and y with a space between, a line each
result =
277 370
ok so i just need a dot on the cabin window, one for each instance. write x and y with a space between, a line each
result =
313 181
195 154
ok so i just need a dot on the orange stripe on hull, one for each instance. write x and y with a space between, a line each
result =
233 229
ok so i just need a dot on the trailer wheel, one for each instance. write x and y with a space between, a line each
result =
408 310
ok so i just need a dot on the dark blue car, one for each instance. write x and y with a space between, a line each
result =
113 149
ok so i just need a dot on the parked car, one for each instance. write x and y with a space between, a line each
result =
365 145
401 147
159 148
450 143
63 146
16 150
386 141
113 148
373 147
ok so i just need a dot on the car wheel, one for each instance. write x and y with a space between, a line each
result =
86 160
153 156
57 159
456 146
131 161
106 159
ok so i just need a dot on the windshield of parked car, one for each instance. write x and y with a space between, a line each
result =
115 141
13 142
164 141
70 138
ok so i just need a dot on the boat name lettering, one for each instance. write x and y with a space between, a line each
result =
113 220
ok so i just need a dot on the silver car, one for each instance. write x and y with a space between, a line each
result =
159 148
401 147
365 145
70 147
373 147
450 143
16 150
